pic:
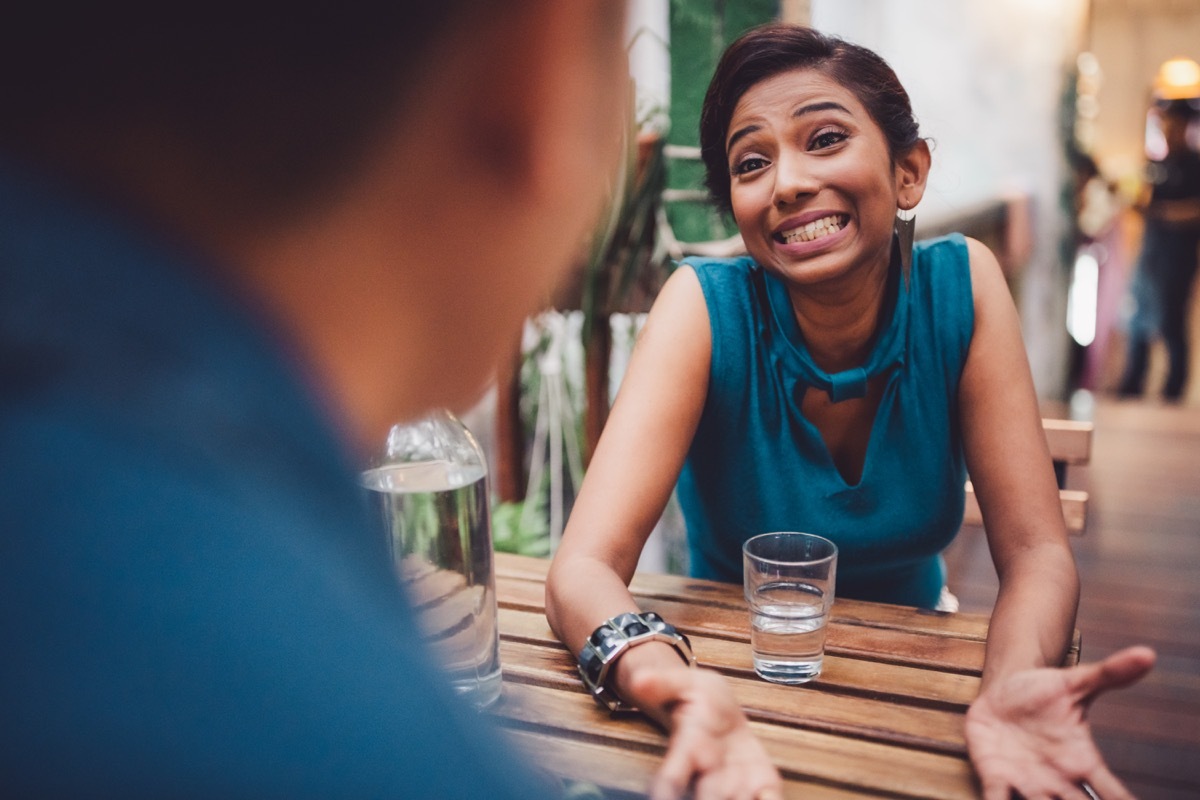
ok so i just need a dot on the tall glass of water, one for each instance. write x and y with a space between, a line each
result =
789 580
432 490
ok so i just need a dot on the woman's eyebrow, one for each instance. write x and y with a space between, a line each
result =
739 134
811 108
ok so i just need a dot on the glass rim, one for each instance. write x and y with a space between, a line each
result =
833 548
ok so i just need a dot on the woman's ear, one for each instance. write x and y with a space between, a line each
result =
912 171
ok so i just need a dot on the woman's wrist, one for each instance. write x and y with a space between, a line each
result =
612 641
652 657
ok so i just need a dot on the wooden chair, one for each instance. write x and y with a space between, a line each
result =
1070 443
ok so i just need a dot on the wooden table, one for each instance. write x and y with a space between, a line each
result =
885 717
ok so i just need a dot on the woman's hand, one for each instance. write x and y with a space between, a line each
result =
712 748
1027 732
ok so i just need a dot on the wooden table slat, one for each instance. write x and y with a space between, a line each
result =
590 762
885 718
889 682
713 593
801 755
937 730
890 645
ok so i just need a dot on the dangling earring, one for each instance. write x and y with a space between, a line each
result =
906 225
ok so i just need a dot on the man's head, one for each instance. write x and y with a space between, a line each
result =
275 105
396 185
1174 118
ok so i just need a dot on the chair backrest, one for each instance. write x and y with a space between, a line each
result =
1070 443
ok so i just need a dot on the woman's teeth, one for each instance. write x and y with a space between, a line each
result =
814 230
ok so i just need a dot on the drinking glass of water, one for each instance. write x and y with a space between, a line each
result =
432 491
789 579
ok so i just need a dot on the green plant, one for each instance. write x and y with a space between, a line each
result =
623 268
511 535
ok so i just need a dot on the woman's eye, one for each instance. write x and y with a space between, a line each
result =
749 164
828 139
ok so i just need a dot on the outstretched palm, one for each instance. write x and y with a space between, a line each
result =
1028 732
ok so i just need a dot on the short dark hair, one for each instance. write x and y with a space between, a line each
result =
278 99
770 49
1183 110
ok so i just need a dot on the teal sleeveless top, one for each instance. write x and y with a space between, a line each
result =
757 465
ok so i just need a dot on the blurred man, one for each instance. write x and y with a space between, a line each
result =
1167 265
233 250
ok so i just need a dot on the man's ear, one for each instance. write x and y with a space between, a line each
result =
912 171
508 112
540 61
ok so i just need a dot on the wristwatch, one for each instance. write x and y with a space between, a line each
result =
614 637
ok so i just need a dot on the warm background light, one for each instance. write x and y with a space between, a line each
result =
1178 79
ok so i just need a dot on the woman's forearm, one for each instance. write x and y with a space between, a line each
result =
1034 618
581 593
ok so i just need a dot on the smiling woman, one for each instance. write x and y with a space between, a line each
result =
820 384
792 136
773 51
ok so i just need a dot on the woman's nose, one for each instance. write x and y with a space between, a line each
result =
793 180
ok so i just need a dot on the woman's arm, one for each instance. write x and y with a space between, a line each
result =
1013 476
634 468
628 483
1026 731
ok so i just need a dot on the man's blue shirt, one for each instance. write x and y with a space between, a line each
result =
195 600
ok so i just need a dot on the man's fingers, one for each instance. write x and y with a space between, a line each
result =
1120 669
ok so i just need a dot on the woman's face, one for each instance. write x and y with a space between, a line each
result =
813 187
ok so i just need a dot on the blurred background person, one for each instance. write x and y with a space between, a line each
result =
1166 268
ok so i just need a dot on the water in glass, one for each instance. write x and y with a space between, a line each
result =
787 631
436 513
